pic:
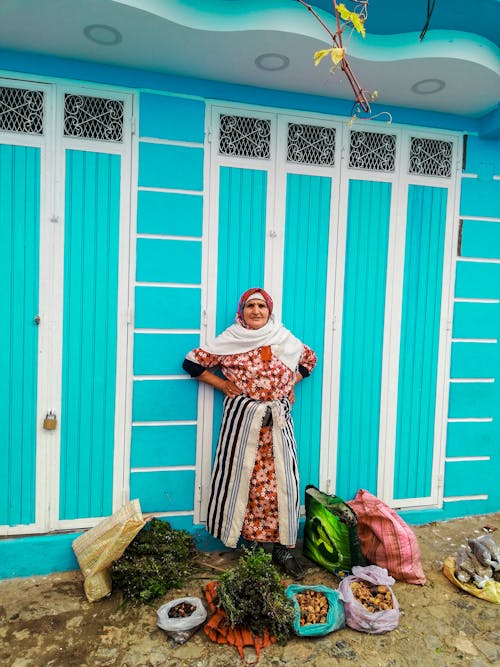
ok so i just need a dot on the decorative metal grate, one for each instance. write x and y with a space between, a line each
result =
245 137
93 118
372 150
430 157
21 110
311 144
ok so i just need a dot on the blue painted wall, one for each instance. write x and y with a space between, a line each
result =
170 204
199 89
478 279
474 407
168 299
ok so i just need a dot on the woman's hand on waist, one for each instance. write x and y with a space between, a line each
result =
230 389
291 395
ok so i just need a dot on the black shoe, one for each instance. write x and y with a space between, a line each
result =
284 557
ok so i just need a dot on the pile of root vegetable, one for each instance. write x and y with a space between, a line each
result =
182 610
313 607
374 598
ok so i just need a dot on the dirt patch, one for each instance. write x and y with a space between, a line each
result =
47 622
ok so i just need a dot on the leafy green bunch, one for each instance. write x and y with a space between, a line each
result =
157 560
252 595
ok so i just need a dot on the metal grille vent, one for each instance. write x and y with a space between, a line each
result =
311 144
372 150
93 118
430 157
21 110
245 137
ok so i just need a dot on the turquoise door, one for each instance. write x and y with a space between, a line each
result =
61 207
368 217
19 277
419 343
307 232
89 347
275 221
353 239
241 247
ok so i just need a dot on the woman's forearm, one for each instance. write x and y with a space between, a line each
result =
207 377
226 386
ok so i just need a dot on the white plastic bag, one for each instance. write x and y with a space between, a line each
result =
357 615
181 629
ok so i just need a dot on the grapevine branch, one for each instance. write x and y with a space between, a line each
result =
337 42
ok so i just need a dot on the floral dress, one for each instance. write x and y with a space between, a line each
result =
261 376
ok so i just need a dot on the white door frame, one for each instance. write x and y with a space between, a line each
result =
277 169
53 145
400 179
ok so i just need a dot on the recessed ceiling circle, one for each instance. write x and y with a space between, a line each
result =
272 62
428 86
102 34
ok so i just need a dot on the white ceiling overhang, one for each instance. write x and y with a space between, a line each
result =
449 71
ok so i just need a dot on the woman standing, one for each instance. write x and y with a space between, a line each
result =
255 485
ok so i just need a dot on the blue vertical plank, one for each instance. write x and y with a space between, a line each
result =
241 247
19 268
304 296
89 333
242 234
418 356
362 336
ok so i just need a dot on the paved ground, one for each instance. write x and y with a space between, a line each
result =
47 622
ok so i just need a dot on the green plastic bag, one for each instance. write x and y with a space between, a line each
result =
335 618
331 532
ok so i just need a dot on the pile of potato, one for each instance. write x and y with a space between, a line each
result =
313 607
374 598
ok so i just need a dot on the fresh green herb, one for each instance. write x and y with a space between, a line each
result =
252 595
157 560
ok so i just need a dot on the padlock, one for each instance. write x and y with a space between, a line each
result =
50 421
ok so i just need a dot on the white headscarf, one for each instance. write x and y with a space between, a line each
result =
237 340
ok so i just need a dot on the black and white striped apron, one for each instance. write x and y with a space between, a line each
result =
234 462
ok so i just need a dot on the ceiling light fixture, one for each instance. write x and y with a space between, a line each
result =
102 34
428 86
272 62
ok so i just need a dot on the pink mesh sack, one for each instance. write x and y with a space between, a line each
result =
386 540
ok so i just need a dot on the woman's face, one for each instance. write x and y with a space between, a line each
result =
255 313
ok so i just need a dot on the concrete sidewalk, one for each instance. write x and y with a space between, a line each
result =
47 622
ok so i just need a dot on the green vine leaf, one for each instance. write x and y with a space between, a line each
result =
336 55
352 17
